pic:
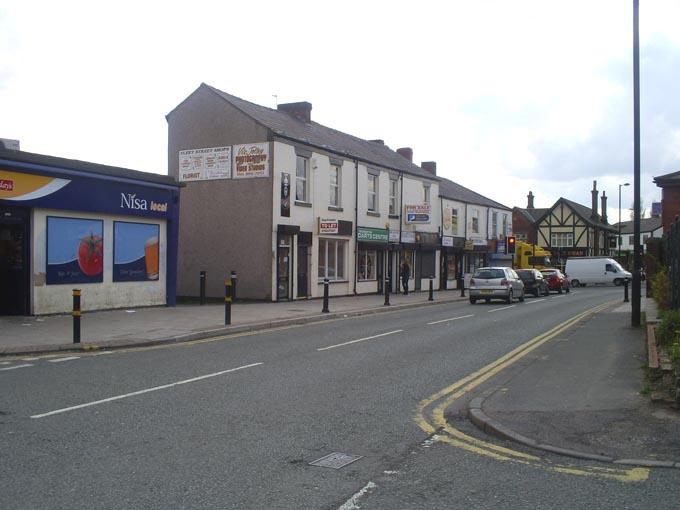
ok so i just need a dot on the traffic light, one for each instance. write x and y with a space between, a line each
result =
510 245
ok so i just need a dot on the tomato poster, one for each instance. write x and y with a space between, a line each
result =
135 251
75 250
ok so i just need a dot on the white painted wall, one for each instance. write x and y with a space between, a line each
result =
46 299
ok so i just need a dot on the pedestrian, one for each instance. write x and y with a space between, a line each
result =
405 274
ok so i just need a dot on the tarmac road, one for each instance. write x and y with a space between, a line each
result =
235 423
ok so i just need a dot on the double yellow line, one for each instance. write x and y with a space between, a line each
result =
430 413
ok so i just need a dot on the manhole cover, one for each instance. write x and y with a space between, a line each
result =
335 460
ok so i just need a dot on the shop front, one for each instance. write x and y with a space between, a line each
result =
372 249
68 224
426 255
451 271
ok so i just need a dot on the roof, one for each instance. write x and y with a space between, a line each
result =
454 191
533 215
85 166
646 225
317 135
583 211
672 178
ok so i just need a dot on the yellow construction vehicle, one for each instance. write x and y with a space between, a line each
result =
530 256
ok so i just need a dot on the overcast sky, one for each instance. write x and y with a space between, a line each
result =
505 96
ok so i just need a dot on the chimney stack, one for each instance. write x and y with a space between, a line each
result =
302 111
603 198
530 200
593 214
429 166
407 152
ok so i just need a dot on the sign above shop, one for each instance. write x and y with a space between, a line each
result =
210 163
373 235
417 213
447 241
251 160
408 237
328 226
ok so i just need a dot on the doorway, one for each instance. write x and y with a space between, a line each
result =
283 269
303 271
14 261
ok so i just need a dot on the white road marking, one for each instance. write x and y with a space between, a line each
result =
59 360
352 503
535 301
359 340
16 366
5 362
30 359
557 297
503 308
451 319
141 392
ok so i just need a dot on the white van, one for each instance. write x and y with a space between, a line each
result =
595 271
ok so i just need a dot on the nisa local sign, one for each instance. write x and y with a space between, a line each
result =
417 213
130 201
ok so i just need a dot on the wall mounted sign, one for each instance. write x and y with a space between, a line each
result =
328 226
285 194
408 237
417 213
75 250
206 164
447 241
135 251
251 160
373 235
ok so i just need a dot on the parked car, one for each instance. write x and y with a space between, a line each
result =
489 283
596 271
556 279
533 282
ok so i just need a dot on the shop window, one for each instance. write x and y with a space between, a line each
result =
302 179
332 259
367 261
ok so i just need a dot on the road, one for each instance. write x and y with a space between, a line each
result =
235 422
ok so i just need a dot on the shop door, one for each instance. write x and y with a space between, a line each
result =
14 259
283 273
303 271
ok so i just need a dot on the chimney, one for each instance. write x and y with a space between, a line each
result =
593 214
429 166
302 111
530 200
378 141
603 198
407 152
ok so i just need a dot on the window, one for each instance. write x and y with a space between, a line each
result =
562 239
372 193
366 269
334 177
394 187
426 193
494 225
631 240
645 237
504 232
332 259
301 178
454 221
475 221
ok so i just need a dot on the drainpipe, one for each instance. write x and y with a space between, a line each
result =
356 222
401 220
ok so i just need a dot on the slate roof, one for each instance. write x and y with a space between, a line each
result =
533 215
317 135
454 191
646 225
584 212
672 178
85 166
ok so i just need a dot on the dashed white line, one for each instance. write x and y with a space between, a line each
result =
352 503
59 360
141 392
502 308
535 301
451 319
359 340
15 367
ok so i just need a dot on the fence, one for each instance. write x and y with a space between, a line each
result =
673 262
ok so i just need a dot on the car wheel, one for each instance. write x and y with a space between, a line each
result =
472 301
521 298
509 298
559 291
535 292
575 283
618 282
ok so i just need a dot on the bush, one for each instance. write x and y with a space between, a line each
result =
668 328
661 289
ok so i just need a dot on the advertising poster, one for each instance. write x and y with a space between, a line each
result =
75 250
285 194
206 164
135 252
251 160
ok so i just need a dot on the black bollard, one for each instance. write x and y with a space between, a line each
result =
228 289
234 279
461 284
76 316
387 291
625 291
430 297
325 296
202 286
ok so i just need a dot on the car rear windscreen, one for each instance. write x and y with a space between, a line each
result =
490 274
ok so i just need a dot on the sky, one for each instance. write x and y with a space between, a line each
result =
507 97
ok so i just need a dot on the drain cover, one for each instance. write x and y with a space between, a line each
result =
335 460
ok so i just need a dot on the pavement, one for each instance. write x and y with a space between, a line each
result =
577 395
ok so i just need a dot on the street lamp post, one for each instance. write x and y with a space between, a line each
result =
618 240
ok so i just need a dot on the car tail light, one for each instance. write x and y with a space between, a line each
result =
504 282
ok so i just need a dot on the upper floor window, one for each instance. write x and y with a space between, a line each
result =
302 179
334 177
394 187
475 221
454 221
426 193
494 225
504 226
562 239
372 193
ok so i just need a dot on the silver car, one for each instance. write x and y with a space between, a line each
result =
496 283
